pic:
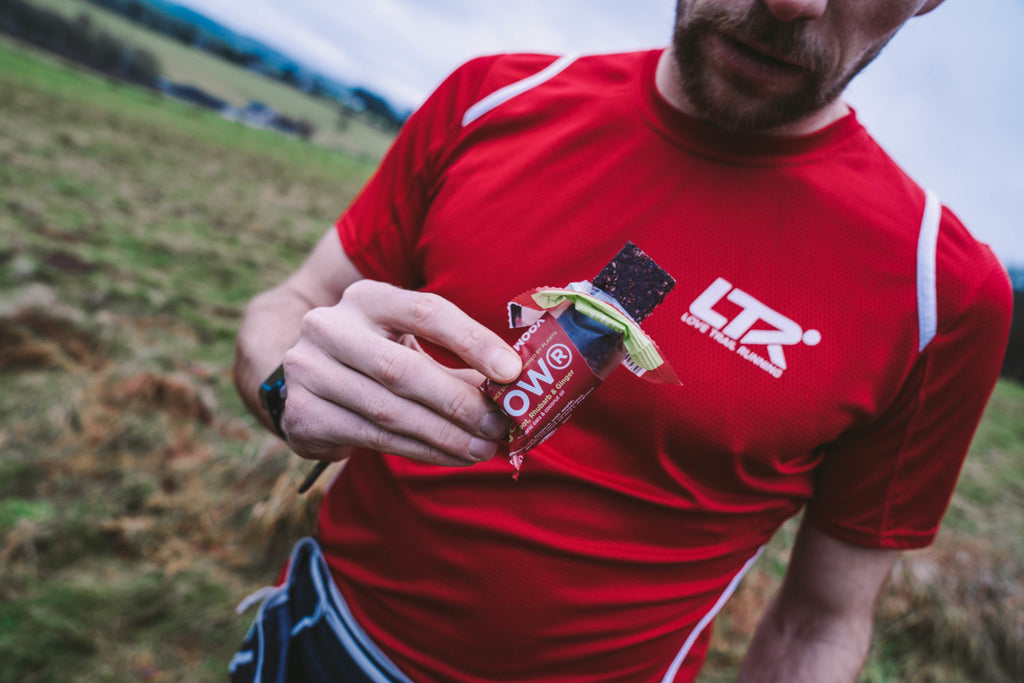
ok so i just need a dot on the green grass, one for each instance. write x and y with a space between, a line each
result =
989 501
13 510
134 488
61 628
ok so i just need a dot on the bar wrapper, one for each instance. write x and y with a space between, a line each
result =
575 337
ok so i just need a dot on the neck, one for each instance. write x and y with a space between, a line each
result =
668 82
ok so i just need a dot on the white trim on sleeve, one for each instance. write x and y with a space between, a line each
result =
503 95
927 298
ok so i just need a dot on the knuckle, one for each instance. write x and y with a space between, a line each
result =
295 419
381 438
356 290
451 439
289 427
378 410
458 406
314 322
425 308
363 291
471 340
294 362
391 369
299 368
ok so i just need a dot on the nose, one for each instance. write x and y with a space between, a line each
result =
791 10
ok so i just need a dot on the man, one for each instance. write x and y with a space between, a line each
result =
836 331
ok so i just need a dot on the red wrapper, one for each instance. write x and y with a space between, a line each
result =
556 378
575 338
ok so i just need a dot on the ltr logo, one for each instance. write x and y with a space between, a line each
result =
740 328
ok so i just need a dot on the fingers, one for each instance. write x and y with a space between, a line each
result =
383 367
357 377
431 317
315 426
336 403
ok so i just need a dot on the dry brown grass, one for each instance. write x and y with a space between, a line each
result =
955 612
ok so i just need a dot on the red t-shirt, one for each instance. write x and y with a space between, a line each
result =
834 352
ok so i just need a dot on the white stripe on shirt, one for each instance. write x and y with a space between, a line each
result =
673 669
503 95
927 298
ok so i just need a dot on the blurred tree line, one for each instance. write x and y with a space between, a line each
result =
154 18
179 29
1013 364
79 40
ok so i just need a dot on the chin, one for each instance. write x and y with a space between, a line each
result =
745 113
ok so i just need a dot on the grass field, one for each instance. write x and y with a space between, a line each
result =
132 231
237 86
139 503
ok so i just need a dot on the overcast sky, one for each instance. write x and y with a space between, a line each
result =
945 98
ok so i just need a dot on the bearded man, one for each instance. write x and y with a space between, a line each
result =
837 332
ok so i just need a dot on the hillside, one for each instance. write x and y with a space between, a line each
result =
133 228
237 86
139 503
206 29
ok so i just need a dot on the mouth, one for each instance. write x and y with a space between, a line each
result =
763 52
754 62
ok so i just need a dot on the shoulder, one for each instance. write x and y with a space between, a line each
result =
482 84
956 275
475 79
970 282
498 70
964 295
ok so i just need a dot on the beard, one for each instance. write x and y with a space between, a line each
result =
736 105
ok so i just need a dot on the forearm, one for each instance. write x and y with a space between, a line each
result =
807 648
818 627
270 326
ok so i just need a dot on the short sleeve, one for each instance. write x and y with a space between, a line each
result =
380 228
888 486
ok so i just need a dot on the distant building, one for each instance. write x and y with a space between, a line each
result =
258 114
192 95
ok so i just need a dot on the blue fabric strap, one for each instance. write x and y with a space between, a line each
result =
304 632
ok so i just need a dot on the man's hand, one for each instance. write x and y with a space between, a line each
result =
357 377
355 374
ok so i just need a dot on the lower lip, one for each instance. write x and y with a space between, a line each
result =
751 66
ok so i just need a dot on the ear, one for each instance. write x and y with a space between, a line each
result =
928 6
